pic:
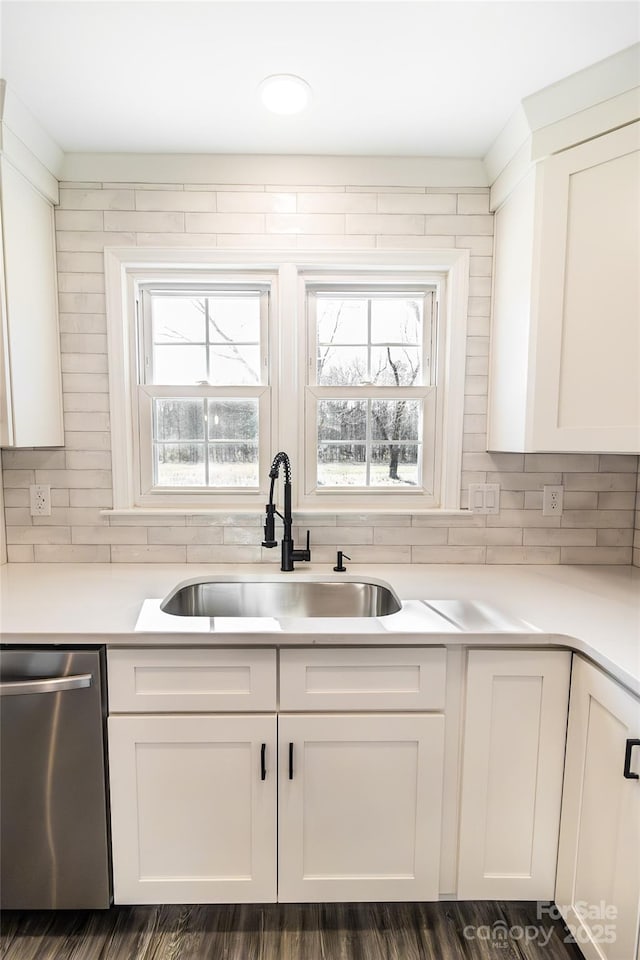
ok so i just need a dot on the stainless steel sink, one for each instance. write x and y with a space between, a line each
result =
233 597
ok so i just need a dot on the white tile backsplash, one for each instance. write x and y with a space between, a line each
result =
636 538
175 201
337 203
419 203
599 520
229 202
149 222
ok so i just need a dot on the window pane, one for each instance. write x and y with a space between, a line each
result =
179 364
396 320
395 366
207 339
395 419
342 366
233 420
394 464
235 319
179 464
342 465
235 365
233 465
341 320
178 419
381 325
342 420
178 319
369 443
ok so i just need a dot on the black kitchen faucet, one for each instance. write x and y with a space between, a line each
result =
289 554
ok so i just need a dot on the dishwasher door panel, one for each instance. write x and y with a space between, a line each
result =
53 818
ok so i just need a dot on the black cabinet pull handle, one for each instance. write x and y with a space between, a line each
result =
290 761
627 760
263 765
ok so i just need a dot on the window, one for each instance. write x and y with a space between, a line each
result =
353 363
202 392
372 388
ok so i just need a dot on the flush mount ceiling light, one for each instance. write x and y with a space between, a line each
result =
284 93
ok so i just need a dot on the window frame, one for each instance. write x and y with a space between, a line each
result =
146 392
429 393
286 270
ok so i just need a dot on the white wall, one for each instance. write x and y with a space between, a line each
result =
598 522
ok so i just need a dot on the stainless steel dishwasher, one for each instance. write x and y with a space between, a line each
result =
54 851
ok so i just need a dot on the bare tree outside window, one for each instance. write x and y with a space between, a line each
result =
369 341
210 341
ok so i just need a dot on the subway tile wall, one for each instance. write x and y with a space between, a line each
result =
597 525
636 540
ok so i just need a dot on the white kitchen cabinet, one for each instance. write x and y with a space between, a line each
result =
598 882
193 808
30 382
513 756
193 793
565 338
360 801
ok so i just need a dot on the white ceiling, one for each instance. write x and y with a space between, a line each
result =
400 78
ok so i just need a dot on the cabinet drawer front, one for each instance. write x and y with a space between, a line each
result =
191 681
363 679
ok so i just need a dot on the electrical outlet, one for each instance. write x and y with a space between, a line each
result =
484 497
552 500
40 500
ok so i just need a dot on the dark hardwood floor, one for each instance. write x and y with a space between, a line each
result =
363 931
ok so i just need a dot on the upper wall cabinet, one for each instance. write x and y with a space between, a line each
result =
565 341
31 394
30 380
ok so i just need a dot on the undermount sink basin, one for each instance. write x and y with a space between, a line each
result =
281 598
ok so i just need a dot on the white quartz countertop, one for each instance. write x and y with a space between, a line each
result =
593 610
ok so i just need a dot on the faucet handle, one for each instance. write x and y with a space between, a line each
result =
305 554
340 567
269 527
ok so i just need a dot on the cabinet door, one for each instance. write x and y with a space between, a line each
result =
360 807
31 408
193 820
513 757
588 298
598 884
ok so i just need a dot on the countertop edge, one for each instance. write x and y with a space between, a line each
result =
520 640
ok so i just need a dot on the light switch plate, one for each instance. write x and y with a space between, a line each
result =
484 497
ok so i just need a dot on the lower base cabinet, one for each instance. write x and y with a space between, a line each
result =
193 805
513 757
598 883
218 798
193 808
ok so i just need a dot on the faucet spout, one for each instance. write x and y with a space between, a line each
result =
289 553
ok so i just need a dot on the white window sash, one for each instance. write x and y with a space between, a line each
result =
145 333
428 486
149 494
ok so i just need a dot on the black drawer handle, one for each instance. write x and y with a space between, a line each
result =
263 764
627 760
290 761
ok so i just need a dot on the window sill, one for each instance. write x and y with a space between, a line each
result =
143 513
